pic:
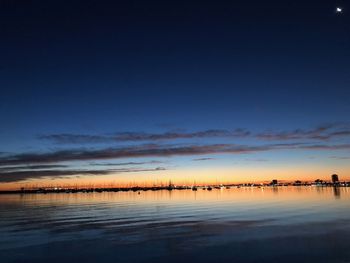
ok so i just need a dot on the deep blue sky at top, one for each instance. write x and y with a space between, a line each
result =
107 66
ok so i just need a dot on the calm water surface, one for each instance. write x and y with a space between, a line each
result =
284 224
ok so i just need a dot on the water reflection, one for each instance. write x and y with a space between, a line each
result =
275 189
275 224
336 191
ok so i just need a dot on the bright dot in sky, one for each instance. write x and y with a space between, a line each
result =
339 10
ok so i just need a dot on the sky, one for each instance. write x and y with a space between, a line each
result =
143 92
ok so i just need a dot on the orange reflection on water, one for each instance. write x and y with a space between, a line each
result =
300 195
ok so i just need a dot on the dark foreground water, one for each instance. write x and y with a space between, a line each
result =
284 224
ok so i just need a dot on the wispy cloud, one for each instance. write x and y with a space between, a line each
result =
203 159
155 150
256 160
151 150
320 133
340 157
333 147
15 176
23 166
32 167
67 138
125 163
129 136
324 132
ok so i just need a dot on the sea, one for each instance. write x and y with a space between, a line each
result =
246 224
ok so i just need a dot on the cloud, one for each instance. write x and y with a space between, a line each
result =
256 160
340 157
150 150
339 133
154 150
38 165
125 164
131 136
320 133
67 138
326 147
32 167
15 176
203 159
324 132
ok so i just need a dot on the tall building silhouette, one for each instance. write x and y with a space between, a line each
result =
335 178
274 182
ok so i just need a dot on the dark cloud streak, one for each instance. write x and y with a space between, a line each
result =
321 133
31 167
125 164
15 176
67 138
155 150
129 152
326 147
203 159
22 166
325 132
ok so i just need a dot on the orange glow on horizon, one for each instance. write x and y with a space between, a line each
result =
185 177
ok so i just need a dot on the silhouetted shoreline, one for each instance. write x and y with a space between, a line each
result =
46 190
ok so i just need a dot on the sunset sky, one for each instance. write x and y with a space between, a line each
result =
143 92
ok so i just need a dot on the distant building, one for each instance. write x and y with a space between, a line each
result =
297 182
335 178
171 186
274 182
318 182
